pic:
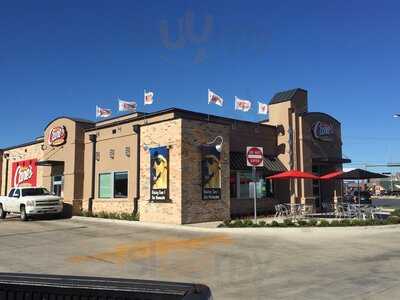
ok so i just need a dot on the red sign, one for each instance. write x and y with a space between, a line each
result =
57 136
24 173
254 156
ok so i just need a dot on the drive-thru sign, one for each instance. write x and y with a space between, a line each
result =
254 156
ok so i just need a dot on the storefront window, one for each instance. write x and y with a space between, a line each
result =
233 185
121 184
105 187
245 185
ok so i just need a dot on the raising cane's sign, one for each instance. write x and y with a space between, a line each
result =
57 136
323 131
24 173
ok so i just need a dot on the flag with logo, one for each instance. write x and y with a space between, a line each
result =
148 98
127 105
241 104
214 98
262 108
102 112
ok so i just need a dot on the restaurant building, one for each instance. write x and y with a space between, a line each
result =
178 166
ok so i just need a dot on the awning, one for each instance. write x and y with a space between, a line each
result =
50 163
271 164
331 160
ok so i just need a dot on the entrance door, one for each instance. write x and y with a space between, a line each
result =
57 187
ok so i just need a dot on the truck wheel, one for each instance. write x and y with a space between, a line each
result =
2 212
24 216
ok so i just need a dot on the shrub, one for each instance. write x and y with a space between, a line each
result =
312 222
237 223
393 220
335 223
262 223
323 223
288 222
275 224
111 215
248 223
345 222
357 222
302 223
396 212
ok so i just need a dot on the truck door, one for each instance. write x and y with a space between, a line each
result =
15 201
7 203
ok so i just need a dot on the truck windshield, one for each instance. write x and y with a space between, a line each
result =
35 192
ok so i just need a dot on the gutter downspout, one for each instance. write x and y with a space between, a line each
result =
7 158
93 139
136 129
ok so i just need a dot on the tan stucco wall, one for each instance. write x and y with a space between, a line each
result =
123 139
72 154
20 154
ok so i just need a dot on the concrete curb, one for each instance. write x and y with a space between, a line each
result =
242 231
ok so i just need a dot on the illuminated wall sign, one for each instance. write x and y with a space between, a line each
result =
24 173
57 136
323 131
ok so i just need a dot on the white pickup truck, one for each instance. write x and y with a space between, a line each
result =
29 201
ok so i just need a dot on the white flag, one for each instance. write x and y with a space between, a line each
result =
262 108
241 104
126 105
148 98
102 112
214 98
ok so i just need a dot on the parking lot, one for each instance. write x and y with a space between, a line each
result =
253 263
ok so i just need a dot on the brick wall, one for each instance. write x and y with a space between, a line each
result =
168 133
194 208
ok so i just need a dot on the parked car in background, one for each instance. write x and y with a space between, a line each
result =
352 197
30 201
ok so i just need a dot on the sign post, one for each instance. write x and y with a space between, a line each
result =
254 158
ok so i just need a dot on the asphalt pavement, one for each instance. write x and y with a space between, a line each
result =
237 263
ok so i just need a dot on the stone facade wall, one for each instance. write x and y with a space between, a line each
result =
194 208
168 133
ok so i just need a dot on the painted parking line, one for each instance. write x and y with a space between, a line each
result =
124 253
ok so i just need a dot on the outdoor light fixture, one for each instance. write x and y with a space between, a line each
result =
396 116
218 147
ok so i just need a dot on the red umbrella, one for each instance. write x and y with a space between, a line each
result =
293 174
332 175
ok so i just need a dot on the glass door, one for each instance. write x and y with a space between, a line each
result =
57 187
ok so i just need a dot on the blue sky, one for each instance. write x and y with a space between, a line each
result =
64 57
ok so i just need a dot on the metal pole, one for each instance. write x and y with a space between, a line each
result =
359 200
254 194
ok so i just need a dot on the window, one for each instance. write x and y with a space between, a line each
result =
105 188
121 184
113 185
11 193
17 193
244 185
35 192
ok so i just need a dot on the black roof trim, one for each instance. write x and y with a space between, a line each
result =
181 113
285 95
37 141
319 113
77 120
